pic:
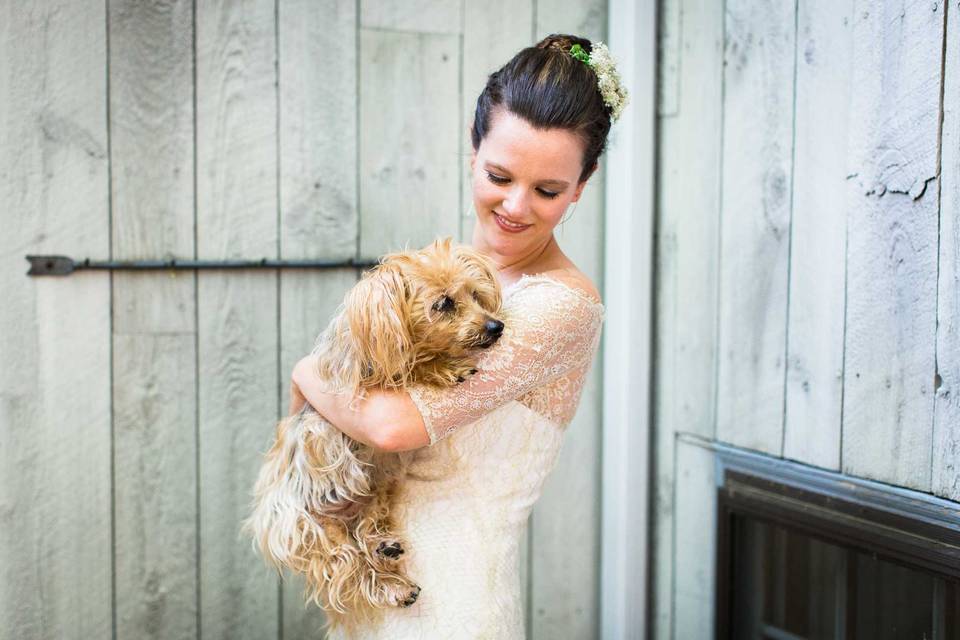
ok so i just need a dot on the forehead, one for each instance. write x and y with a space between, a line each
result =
522 149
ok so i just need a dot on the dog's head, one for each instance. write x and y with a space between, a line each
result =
424 316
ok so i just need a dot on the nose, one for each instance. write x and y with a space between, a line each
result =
516 203
493 328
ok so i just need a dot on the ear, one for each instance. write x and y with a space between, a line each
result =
377 311
479 264
579 190
473 156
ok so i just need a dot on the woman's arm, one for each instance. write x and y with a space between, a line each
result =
385 420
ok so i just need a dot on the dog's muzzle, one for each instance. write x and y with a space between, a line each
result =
492 330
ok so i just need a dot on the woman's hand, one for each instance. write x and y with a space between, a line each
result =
385 420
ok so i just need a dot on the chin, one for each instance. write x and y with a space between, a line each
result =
504 243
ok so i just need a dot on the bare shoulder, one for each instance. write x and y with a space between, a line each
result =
576 279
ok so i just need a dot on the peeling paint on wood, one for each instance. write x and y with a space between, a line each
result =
892 245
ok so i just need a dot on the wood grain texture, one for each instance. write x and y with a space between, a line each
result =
156 483
695 542
409 176
318 204
237 311
755 222
318 129
687 244
818 234
154 354
564 586
493 32
55 502
946 425
892 243
421 16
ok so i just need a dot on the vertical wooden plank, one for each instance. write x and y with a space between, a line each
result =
755 222
564 587
493 32
818 234
686 272
892 243
155 475
695 541
318 202
409 176
154 381
318 130
946 425
421 16
55 507
236 310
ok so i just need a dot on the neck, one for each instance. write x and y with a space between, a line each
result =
513 266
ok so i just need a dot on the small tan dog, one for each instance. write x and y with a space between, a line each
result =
322 499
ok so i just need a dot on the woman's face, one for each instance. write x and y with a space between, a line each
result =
523 181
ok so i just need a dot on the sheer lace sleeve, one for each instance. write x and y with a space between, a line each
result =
550 329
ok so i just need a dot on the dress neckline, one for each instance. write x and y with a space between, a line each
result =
542 277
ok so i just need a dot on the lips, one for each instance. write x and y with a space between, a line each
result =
508 226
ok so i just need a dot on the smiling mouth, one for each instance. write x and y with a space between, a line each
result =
509 225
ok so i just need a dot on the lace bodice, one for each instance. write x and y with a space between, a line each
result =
464 505
551 330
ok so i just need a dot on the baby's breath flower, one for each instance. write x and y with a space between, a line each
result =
611 88
608 79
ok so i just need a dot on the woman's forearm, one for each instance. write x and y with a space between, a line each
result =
386 420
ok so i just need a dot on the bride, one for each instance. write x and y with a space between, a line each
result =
485 447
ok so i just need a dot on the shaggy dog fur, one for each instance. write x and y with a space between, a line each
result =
322 500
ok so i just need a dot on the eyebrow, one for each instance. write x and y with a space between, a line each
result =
560 183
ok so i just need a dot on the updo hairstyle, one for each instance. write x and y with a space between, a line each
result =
549 88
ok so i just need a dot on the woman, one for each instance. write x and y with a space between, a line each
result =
486 446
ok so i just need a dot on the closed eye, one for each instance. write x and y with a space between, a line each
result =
494 178
444 305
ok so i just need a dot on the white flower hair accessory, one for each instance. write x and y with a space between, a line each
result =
612 90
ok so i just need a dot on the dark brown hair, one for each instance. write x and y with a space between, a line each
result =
549 88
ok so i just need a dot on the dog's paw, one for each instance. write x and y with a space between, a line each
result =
391 550
469 373
411 598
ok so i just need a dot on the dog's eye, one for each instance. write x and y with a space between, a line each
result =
476 296
444 304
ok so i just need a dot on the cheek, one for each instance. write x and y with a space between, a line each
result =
553 212
485 193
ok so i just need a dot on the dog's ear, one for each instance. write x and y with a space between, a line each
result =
481 267
377 313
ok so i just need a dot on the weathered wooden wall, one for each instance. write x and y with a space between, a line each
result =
808 243
134 407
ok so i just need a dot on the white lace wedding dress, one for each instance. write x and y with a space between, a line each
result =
494 439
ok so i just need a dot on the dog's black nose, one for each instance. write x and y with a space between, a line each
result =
493 328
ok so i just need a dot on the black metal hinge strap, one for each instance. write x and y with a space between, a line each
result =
62 265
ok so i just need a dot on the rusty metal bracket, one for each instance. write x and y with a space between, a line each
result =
63 266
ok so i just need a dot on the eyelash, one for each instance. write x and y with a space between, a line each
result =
495 179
